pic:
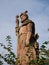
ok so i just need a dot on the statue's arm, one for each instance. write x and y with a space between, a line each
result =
29 32
17 30
17 25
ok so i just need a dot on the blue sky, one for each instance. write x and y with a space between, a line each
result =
38 11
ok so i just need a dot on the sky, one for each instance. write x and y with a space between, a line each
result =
38 11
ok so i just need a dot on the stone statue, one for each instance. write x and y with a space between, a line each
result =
28 47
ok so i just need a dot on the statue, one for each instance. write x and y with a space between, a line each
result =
27 40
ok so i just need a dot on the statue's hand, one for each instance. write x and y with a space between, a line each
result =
27 43
17 16
17 21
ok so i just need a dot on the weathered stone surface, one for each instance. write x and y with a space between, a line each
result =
28 47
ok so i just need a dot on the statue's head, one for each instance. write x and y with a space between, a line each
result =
23 16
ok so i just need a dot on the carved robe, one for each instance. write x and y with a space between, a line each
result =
26 53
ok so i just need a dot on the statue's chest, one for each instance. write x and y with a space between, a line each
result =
23 29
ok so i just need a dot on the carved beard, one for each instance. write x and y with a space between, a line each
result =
24 20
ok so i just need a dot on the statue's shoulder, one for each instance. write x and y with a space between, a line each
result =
30 21
27 22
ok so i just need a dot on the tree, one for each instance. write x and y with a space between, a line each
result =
10 57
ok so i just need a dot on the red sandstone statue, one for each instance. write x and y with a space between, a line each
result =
27 49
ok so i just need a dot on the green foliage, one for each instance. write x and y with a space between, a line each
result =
43 56
10 57
1 63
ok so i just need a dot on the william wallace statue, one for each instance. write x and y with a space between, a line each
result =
27 49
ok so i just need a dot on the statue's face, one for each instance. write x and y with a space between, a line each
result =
23 17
